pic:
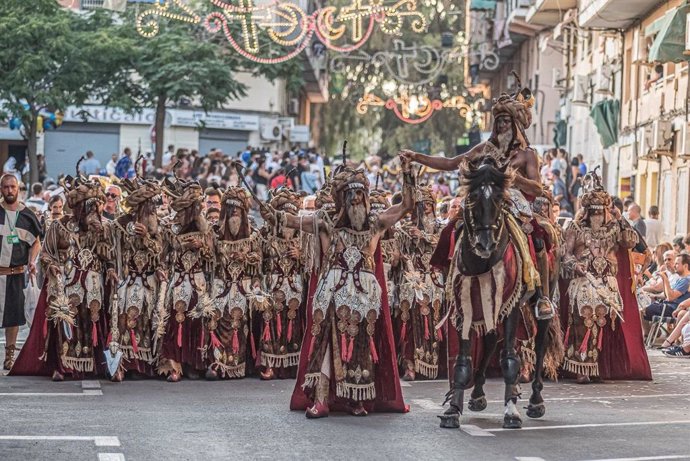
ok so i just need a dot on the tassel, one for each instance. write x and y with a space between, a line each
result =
583 346
45 328
267 332
94 334
289 333
236 343
279 326
179 335
311 346
110 338
343 347
135 346
251 341
601 336
203 339
426 327
350 348
403 332
216 343
439 334
372 350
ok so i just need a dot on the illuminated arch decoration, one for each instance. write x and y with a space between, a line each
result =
341 29
414 109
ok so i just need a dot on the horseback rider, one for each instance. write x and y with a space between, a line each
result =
509 144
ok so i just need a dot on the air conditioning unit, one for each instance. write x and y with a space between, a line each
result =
604 78
647 142
271 131
581 89
663 137
293 106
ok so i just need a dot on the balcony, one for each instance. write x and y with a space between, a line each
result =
549 13
613 14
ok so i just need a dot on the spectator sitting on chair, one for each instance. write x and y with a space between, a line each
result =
686 243
674 293
678 245
682 329
655 285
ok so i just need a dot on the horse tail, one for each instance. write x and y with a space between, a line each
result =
555 349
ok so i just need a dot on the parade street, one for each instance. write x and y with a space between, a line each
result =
249 419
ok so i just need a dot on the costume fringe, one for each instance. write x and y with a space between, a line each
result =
230 372
579 368
82 365
528 356
555 348
311 380
279 361
168 366
356 392
426 369
145 355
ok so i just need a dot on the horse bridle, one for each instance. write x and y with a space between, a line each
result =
472 228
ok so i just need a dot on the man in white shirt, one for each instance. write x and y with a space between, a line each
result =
110 166
655 232
36 201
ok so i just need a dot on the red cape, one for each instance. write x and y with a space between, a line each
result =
388 392
28 363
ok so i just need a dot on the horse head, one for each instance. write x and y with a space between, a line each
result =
486 183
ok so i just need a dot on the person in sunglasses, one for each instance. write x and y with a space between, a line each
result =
113 194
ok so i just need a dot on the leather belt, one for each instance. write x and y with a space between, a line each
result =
12 270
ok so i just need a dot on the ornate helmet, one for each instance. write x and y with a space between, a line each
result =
324 199
139 191
81 189
183 194
424 193
595 198
348 179
236 196
518 107
287 200
378 200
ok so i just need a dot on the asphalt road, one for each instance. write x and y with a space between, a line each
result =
249 419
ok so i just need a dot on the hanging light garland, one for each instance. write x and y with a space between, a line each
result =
418 108
288 25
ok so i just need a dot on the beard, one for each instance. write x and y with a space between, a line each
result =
234 224
357 215
10 199
504 140
596 221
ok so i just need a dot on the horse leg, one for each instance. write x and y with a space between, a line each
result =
510 366
462 375
477 400
536 408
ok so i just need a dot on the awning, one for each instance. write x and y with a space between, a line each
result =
669 44
605 115
483 5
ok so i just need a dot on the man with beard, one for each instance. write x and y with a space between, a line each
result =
139 245
595 310
237 273
509 143
421 292
20 232
348 359
188 246
282 322
69 325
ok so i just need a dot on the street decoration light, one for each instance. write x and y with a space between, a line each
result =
416 108
341 29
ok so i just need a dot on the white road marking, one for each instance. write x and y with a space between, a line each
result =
528 458
645 458
99 441
475 431
577 426
111 457
89 388
610 397
426 404
404 384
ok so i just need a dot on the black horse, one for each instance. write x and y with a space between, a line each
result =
483 243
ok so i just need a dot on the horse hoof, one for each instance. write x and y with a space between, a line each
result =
451 421
478 404
536 410
512 422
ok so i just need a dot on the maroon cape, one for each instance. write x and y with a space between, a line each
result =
388 392
28 362
623 355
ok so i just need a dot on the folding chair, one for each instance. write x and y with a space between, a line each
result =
658 325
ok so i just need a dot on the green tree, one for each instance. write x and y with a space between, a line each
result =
183 62
53 58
